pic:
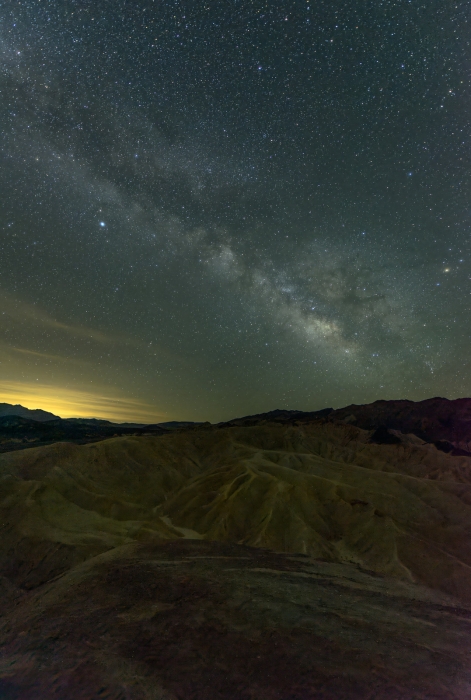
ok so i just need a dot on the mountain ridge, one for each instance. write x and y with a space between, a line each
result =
38 414
446 423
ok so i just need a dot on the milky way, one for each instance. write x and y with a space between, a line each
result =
214 209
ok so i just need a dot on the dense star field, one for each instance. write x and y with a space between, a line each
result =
210 209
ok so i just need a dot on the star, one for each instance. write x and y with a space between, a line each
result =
273 192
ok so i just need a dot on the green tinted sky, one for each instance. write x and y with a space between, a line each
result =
214 209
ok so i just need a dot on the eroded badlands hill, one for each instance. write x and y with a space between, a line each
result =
434 420
443 422
390 525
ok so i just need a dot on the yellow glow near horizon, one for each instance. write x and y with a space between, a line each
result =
76 403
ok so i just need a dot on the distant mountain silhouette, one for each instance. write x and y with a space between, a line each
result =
37 414
18 433
277 416
442 422
100 422
176 424
8 409
445 423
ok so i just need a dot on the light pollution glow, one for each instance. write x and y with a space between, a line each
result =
74 403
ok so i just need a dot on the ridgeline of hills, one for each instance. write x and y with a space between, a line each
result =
21 428
442 422
321 556
37 414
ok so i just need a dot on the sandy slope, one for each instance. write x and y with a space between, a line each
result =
403 510
394 519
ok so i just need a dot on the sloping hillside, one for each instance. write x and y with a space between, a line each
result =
199 620
389 524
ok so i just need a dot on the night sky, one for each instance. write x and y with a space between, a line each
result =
211 209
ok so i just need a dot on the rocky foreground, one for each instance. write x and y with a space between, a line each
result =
272 562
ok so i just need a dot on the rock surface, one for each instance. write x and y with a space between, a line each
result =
283 562
198 620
